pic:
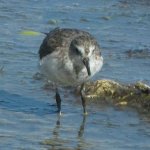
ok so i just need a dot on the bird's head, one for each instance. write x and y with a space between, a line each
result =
82 49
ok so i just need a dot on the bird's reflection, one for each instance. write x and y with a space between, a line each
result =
81 141
56 141
56 128
82 126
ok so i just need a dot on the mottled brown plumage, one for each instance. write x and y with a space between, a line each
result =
61 38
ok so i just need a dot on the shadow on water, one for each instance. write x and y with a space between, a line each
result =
19 103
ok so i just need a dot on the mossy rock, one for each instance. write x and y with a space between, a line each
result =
136 95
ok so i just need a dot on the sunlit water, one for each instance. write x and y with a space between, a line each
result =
27 111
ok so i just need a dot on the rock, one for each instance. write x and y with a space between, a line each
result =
135 95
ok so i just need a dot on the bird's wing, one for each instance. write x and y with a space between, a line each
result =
49 43
58 39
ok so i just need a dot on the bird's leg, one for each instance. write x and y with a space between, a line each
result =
58 101
83 98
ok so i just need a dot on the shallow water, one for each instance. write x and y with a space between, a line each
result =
27 111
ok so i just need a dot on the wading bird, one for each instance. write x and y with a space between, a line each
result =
69 57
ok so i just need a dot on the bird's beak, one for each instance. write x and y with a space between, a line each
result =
86 63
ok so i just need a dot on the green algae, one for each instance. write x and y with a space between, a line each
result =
30 33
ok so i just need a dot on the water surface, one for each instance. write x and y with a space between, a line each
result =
27 111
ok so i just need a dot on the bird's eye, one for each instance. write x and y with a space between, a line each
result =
77 51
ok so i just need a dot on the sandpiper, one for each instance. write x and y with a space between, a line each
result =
69 57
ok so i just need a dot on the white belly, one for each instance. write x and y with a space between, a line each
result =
61 72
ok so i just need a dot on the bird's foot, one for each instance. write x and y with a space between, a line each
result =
59 112
85 113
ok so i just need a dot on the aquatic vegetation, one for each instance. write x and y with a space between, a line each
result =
138 53
30 33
